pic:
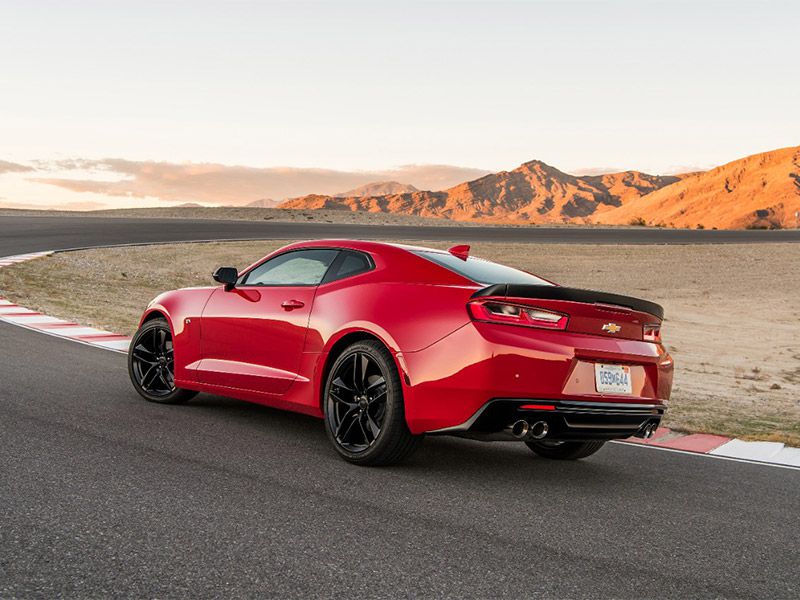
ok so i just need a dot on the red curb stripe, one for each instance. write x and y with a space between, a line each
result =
104 337
702 443
696 442
660 433
98 336
61 325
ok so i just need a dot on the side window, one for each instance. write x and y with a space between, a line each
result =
347 264
297 267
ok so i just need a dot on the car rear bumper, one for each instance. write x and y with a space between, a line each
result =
454 379
565 419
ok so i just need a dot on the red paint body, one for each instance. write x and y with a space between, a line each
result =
243 343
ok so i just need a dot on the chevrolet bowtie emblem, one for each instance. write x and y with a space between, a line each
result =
612 328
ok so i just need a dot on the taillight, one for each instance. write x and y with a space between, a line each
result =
652 332
515 314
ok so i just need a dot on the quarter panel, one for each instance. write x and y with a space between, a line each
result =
407 316
182 309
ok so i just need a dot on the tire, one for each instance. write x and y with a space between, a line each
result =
364 411
565 450
151 364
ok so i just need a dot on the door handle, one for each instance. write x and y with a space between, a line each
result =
292 304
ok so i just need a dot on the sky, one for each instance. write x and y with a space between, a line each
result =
376 88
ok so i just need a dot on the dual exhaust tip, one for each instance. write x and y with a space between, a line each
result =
522 430
649 430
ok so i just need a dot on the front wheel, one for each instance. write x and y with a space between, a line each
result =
364 412
151 364
565 450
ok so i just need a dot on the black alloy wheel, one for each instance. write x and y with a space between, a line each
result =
364 412
358 397
151 364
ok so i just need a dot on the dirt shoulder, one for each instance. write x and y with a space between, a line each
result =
732 315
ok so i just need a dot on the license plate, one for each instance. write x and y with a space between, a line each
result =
612 379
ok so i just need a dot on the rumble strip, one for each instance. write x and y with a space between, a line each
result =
31 319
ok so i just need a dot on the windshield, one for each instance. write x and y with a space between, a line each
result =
481 271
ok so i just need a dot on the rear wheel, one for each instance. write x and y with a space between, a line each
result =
151 364
565 450
364 412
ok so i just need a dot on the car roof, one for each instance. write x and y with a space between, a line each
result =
364 245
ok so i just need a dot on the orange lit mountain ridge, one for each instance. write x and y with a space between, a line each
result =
762 190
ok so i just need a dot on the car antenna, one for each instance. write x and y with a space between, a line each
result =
461 251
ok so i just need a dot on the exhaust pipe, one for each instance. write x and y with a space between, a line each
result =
538 430
522 430
519 429
649 430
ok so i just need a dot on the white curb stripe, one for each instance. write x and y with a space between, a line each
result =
121 345
15 310
77 331
33 319
773 452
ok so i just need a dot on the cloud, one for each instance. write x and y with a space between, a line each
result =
687 169
236 185
672 170
62 206
9 167
594 171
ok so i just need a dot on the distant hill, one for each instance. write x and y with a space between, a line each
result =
533 192
263 203
762 190
379 188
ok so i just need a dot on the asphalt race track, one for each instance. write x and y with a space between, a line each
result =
105 495
20 234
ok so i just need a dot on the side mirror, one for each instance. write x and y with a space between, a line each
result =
227 275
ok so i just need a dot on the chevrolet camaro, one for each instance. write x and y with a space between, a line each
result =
388 343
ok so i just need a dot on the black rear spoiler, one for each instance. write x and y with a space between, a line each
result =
554 292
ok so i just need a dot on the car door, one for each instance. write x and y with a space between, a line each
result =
252 335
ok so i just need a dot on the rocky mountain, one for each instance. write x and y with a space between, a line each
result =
762 190
534 192
379 188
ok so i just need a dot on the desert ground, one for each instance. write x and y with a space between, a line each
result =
732 318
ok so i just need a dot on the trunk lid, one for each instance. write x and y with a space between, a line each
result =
589 312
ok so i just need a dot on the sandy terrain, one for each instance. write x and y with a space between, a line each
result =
732 314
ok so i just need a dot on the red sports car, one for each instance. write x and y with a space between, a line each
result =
388 343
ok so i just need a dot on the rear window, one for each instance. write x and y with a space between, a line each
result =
347 264
481 271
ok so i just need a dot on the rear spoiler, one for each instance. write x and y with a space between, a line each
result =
554 292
